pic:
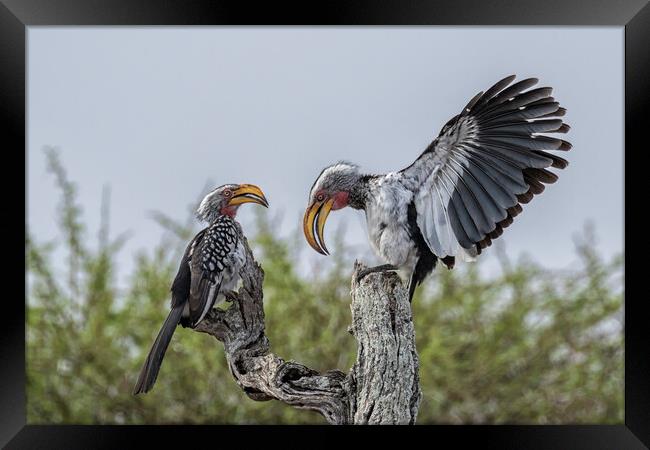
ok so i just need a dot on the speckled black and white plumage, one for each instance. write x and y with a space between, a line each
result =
467 186
213 267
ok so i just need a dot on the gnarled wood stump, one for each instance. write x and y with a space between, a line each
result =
382 386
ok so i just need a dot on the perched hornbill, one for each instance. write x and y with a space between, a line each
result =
461 192
210 267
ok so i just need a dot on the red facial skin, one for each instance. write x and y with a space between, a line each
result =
341 199
229 210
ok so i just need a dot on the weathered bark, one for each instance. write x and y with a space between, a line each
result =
385 375
382 386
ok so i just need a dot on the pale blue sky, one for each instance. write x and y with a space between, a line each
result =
156 112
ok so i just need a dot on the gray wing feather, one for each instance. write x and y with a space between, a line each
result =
469 183
508 171
441 225
491 210
461 210
476 212
499 186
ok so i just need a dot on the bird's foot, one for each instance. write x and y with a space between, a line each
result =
230 296
369 270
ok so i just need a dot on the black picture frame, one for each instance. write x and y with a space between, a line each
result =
634 15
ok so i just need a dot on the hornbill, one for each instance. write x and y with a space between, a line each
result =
209 269
461 192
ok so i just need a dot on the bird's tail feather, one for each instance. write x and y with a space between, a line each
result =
425 265
149 371
413 283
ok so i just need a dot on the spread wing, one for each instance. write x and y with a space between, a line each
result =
470 182
207 266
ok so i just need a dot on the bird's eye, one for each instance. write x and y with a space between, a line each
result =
320 197
227 193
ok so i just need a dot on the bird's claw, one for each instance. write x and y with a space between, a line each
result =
361 275
369 270
230 296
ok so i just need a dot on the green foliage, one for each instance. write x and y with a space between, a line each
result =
530 345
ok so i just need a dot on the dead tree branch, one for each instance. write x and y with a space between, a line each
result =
382 386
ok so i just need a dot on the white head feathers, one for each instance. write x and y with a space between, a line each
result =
210 206
339 176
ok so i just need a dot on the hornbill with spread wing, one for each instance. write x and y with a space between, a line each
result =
461 192
209 269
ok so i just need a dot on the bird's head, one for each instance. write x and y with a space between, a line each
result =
330 191
226 199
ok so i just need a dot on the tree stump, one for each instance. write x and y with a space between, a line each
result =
382 386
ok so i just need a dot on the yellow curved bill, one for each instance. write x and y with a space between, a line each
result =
248 193
314 225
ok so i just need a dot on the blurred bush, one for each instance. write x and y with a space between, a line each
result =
527 346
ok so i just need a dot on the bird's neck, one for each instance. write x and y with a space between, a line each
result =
230 211
359 192
218 217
